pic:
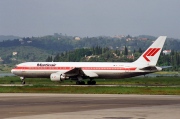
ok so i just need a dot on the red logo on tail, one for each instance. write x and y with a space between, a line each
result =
150 52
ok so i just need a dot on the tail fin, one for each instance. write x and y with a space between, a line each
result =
151 55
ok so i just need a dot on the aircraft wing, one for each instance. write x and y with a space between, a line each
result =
79 72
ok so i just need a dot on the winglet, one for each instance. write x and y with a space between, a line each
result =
151 55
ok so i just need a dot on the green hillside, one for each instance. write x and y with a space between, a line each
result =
24 54
59 47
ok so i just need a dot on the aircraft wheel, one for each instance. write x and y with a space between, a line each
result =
80 83
23 82
77 82
91 82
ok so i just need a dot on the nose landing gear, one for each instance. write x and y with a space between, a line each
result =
23 80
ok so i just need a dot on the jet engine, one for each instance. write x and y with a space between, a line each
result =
58 76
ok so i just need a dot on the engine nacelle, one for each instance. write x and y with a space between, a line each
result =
58 77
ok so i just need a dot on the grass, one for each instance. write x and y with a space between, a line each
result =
155 81
93 90
47 86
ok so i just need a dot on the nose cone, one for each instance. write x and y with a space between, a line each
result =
12 71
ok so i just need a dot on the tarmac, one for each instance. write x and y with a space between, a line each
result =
88 106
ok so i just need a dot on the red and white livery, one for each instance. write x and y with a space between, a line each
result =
58 71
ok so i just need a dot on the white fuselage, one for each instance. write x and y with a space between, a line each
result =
103 70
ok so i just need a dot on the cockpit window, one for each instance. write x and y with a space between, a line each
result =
14 67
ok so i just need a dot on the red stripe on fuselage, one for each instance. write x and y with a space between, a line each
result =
69 68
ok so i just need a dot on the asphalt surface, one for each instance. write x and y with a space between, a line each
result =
88 106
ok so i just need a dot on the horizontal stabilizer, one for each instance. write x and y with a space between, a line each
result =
165 67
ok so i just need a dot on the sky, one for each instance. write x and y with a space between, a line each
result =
27 18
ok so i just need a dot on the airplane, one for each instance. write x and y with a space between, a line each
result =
78 71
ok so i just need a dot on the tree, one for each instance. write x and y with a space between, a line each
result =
49 59
56 58
125 51
140 50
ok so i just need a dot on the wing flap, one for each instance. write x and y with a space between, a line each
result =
79 72
74 72
90 74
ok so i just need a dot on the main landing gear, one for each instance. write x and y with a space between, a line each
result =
23 80
80 82
91 82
